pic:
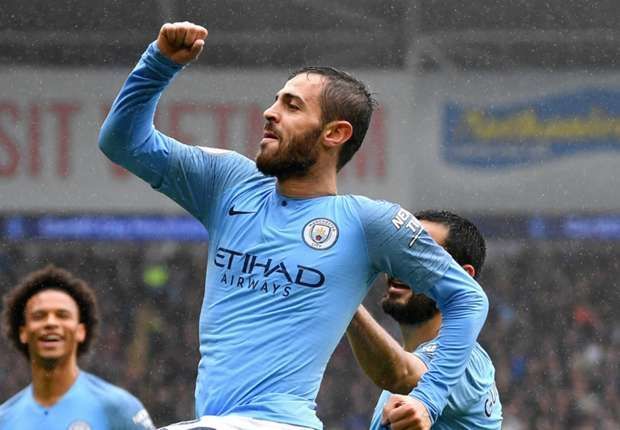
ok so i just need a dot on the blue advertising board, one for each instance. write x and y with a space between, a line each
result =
504 135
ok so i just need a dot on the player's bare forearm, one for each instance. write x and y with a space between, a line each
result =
383 359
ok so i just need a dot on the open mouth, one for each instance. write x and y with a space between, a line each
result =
267 134
49 340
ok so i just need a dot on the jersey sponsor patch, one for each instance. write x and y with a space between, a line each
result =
320 233
404 219
79 425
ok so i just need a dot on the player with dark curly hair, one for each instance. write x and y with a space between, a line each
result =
51 317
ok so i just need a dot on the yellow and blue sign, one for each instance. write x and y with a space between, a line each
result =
524 133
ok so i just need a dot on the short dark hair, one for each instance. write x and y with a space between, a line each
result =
343 98
464 242
49 278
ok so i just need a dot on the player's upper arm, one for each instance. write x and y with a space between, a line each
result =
399 246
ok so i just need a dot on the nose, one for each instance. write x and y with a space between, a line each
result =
51 320
271 114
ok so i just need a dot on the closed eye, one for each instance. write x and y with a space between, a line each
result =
63 314
291 101
38 315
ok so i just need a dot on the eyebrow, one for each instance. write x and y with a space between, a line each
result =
47 310
290 96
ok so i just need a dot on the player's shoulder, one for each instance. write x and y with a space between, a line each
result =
426 351
109 393
219 151
225 155
216 151
14 403
367 208
233 165
357 199
219 156
119 404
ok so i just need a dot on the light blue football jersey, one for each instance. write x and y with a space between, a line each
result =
284 275
473 404
90 404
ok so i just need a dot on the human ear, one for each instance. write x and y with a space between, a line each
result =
469 269
23 335
337 132
80 334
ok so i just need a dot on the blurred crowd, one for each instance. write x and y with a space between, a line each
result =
552 331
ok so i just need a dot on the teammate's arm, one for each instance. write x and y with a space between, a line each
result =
381 357
399 246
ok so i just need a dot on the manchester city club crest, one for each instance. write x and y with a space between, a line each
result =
320 233
79 425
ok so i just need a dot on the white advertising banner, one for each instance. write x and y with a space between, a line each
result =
50 120
544 143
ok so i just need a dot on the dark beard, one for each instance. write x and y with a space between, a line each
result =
417 310
294 159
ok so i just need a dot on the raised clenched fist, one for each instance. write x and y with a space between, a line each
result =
181 42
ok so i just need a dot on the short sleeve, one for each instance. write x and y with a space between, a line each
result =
426 352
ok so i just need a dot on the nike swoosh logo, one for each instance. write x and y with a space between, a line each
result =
232 212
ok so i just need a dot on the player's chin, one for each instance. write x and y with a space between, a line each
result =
51 356
267 152
268 144
45 348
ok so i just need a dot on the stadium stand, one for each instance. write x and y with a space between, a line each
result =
556 353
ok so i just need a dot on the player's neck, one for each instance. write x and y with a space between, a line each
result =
50 383
316 183
415 335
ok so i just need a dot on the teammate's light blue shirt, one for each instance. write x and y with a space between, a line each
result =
474 403
284 275
90 404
